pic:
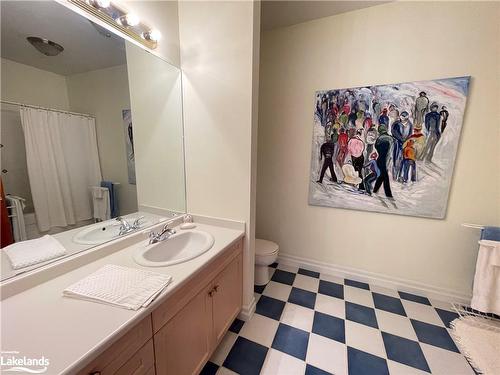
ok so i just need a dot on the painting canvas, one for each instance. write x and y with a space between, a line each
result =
387 148
129 144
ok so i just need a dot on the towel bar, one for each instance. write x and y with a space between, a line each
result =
475 226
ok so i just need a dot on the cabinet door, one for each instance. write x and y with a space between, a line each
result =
183 345
227 299
110 361
141 362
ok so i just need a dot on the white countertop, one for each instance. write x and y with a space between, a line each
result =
69 332
66 239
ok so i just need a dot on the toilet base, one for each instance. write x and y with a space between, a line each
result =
262 275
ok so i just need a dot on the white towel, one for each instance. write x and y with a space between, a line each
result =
26 253
486 291
119 286
100 200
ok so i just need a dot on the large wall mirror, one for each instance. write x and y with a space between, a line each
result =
91 136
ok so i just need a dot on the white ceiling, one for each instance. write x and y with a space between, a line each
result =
276 14
85 49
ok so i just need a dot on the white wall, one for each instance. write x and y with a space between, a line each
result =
163 16
396 42
28 85
218 46
156 97
104 93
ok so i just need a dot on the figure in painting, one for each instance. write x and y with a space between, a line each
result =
421 107
432 126
383 146
401 130
355 149
383 119
393 114
350 175
377 109
326 154
342 146
418 141
371 137
373 172
444 118
409 161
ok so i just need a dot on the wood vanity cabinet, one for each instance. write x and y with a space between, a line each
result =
180 335
131 354
185 343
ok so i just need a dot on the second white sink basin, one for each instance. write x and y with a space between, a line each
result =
99 233
181 247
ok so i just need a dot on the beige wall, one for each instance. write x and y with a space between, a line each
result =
104 93
396 42
218 46
28 85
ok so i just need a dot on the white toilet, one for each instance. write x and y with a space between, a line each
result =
266 253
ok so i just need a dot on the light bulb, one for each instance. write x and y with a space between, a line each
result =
129 20
102 3
132 19
153 35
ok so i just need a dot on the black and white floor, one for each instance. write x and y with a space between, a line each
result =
312 323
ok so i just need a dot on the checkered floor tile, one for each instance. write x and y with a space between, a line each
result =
311 323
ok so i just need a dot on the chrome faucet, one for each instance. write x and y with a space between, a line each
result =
126 227
165 234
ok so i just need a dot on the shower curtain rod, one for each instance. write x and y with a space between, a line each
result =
47 109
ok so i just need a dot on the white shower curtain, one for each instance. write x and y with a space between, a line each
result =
63 162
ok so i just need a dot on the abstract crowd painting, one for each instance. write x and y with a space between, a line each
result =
388 148
129 144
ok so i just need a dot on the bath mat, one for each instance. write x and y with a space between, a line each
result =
479 342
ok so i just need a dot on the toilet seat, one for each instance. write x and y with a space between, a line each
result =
265 247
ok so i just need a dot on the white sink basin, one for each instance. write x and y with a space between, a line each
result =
102 232
181 247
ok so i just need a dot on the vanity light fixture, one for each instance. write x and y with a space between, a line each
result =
119 19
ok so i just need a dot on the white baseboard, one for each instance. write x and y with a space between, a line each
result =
247 310
403 285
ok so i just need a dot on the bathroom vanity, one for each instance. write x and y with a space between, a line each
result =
179 336
114 92
175 334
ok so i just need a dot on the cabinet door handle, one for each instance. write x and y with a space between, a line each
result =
95 373
213 290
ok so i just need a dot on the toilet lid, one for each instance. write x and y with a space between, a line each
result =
265 247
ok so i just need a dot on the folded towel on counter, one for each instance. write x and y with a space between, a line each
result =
26 253
119 286
100 201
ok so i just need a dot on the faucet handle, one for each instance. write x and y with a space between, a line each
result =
166 229
153 237
137 221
